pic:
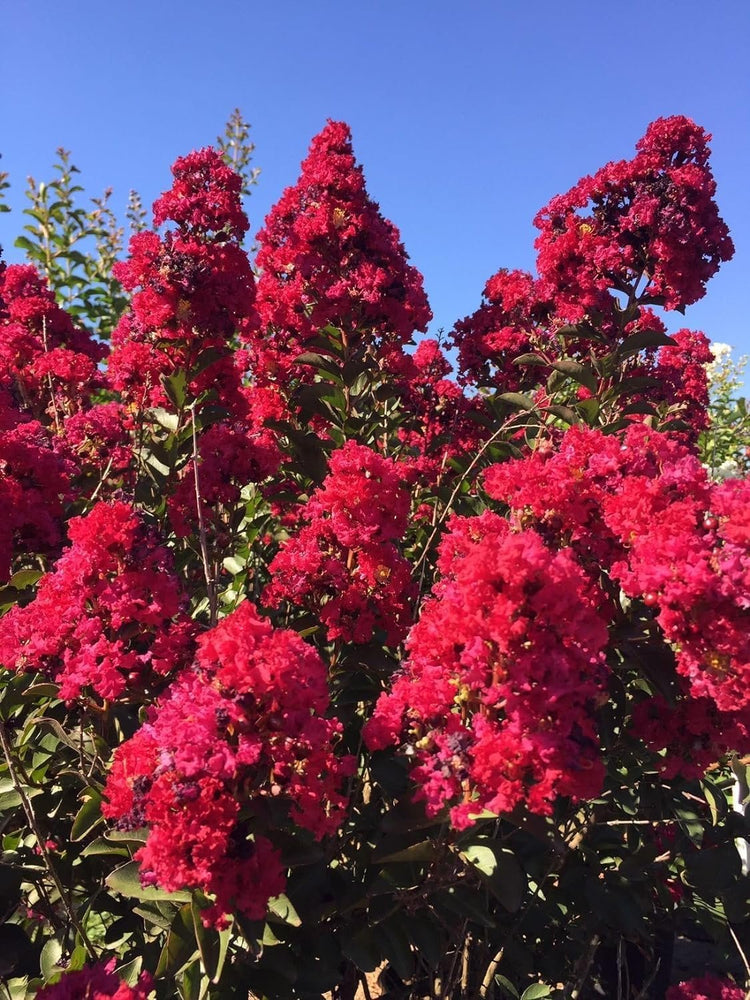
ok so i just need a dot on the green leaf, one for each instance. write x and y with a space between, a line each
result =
212 944
507 985
25 578
397 947
426 850
175 387
130 971
362 949
281 907
180 947
127 882
536 991
563 412
165 418
24 243
128 836
465 902
518 400
233 565
640 341
501 871
88 816
49 958
529 359
101 846
578 372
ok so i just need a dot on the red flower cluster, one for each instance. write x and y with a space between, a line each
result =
651 219
48 363
98 982
706 988
34 482
109 616
244 727
230 456
505 667
511 321
344 564
683 381
206 196
328 257
642 509
440 421
193 288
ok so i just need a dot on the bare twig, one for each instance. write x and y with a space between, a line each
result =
583 968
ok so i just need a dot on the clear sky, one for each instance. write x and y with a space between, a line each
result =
466 116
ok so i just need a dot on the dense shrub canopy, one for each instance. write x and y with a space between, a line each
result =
322 665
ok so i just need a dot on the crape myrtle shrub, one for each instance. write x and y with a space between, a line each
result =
329 671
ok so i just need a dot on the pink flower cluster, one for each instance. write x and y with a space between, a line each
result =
495 701
245 728
109 618
344 564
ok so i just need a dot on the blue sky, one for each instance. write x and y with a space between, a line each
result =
467 117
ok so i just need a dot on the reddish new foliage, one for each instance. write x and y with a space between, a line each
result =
504 669
246 724
328 257
98 982
109 616
344 564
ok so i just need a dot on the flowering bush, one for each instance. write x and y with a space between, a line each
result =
330 674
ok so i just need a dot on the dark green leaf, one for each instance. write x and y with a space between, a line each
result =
517 400
578 372
638 342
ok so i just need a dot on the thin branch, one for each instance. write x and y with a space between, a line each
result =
743 956
210 582
461 480
43 849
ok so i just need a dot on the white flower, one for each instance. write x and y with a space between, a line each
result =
720 350
728 470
